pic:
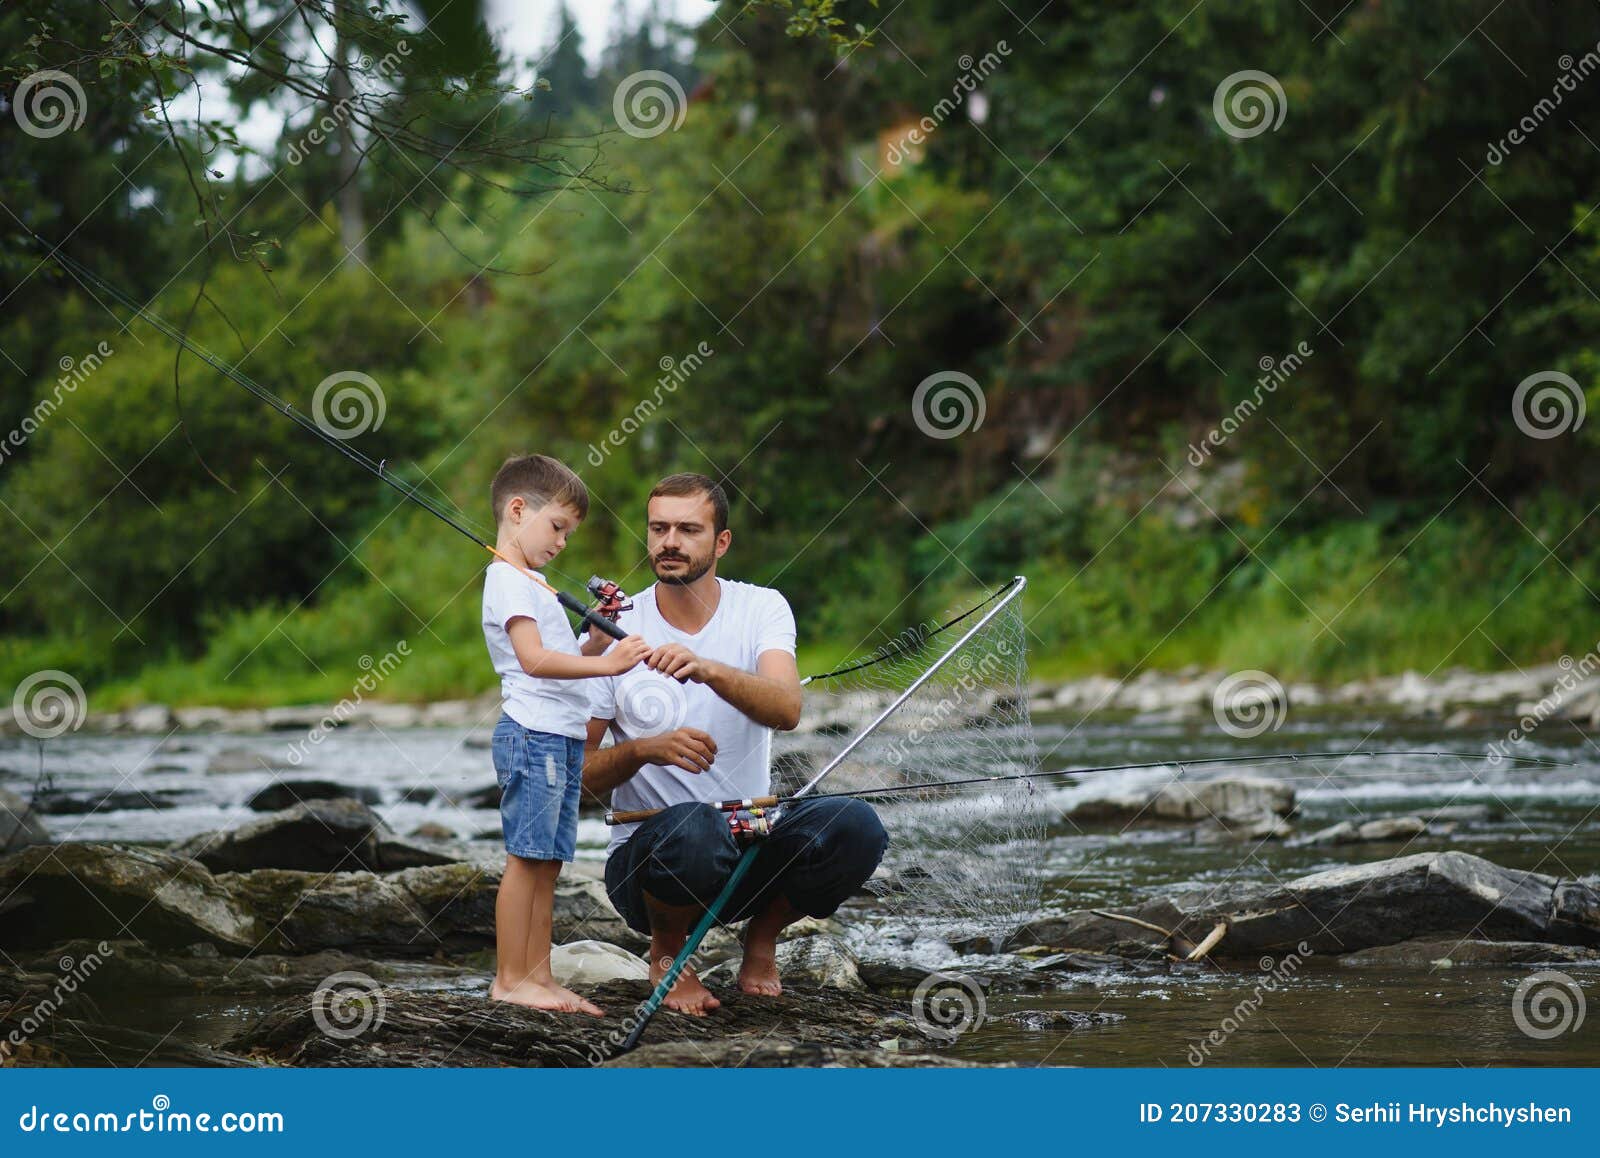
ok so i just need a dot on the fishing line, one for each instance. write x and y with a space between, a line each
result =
377 467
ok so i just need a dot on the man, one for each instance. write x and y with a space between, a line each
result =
722 658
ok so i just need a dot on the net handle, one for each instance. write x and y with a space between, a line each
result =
890 650
1018 583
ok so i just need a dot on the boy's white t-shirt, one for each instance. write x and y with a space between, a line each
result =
748 620
560 707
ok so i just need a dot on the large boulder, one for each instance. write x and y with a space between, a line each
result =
56 893
313 836
20 826
281 794
1252 806
1357 907
806 1026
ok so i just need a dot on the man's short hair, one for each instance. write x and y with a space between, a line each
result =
689 483
537 479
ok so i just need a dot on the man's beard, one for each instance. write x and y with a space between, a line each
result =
693 569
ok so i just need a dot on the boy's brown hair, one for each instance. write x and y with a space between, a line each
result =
538 479
681 485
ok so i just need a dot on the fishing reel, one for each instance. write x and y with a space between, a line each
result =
749 825
613 600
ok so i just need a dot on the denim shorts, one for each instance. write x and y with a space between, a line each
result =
540 777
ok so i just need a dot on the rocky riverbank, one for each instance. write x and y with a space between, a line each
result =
1461 698
354 947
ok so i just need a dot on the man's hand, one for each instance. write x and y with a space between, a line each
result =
686 748
625 655
677 661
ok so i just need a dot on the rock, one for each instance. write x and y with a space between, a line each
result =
1344 832
126 967
242 760
1384 828
1225 796
148 719
773 1054
1392 828
20 825
281 794
1427 953
76 890
819 960
481 798
431 830
419 794
1044 1020
803 1027
1357 907
316 836
584 964
1230 802
81 804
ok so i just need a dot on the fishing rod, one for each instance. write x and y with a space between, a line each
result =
610 599
632 817
1006 595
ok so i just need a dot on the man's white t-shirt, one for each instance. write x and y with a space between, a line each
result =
560 707
748 620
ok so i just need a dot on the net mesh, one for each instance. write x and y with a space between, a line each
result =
963 859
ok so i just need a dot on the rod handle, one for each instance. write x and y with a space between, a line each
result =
590 617
638 814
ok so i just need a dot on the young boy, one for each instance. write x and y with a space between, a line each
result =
538 743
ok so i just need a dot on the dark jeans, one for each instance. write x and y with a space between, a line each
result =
819 852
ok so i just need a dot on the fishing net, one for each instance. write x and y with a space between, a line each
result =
963 857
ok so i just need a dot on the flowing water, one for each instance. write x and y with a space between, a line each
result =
1325 1014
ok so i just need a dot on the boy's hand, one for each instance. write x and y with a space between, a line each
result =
625 655
686 748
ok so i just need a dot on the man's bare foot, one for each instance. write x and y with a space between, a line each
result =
688 995
758 974
551 998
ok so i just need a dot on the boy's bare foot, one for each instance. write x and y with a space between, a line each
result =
758 974
551 998
584 1005
688 995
